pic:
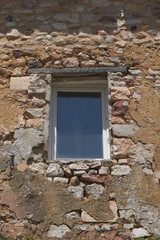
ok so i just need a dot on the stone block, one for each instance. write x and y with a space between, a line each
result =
78 166
33 113
120 170
103 171
86 217
78 192
61 180
71 62
25 139
139 233
95 178
119 108
55 170
94 190
127 130
57 231
121 147
35 123
74 181
19 83
120 93
142 153
14 34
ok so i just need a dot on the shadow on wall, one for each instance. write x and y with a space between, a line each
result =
74 16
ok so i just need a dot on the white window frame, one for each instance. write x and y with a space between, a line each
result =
78 86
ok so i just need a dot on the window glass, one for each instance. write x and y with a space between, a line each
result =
79 125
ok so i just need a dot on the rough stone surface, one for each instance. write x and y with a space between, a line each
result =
143 153
55 170
121 170
57 231
119 108
14 34
94 190
33 113
120 130
86 217
24 137
19 83
103 171
78 166
66 42
121 147
140 232
95 178
61 180
120 93
78 192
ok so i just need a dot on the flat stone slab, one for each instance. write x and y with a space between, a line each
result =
63 72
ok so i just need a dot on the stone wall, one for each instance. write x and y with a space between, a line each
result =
110 199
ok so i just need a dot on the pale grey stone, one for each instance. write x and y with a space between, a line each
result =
83 227
106 227
109 39
126 35
120 50
73 215
79 172
61 180
139 232
137 95
135 72
120 170
121 43
55 170
104 171
114 59
36 102
14 34
1 35
106 64
33 112
142 153
147 171
38 167
86 217
19 83
93 172
26 139
123 161
153 72
57 62
127 130
149 217
127 214
13 150
94 190
78 192
157 83
17 72
128 226
78 166
57 231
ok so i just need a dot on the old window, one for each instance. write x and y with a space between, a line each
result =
79 119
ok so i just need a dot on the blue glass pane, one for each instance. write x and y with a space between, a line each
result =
79 125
